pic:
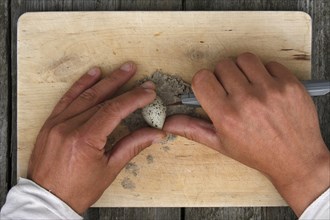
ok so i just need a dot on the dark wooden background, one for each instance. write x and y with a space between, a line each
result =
10 10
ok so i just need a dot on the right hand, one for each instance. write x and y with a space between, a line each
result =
263 117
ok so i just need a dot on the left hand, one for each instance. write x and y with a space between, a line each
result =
69 158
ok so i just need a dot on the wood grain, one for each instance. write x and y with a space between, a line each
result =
4 100
176 43
135 213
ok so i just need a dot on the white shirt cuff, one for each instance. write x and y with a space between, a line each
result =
319 209
27 200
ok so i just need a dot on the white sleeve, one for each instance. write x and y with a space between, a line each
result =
27 200
319 209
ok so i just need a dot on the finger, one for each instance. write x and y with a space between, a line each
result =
85 81
253 68
230 76
131 145
101 91
210 94
280 72
107 118
80 119
194 129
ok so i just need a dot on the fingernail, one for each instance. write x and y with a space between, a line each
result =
127 67
94 71
149 90
148 85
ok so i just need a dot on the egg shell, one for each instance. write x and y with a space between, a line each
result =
155 113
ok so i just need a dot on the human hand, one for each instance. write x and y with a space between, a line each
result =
263 117
69 158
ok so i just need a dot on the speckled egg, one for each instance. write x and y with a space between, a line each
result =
155 113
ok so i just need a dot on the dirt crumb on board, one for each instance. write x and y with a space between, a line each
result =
127 183
169 88
166 148
150 159
132 168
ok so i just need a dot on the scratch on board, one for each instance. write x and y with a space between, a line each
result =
301 57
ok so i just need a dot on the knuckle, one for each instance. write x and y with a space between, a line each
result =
101 105
96 143
136 150
72 92
243 96
58 130
200 76
78 85
223 64
250 102
293 88
114 77
230 120
246 57
68 96
112 108
271 64
89 95
272 90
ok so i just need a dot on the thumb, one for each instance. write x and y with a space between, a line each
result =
194 129
130 146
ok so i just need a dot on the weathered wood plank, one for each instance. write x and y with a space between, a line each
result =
18 7
92 213
4 99
222 213
277 213
320 13
140 213
232 5
149 5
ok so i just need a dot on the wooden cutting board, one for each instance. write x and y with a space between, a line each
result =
55 48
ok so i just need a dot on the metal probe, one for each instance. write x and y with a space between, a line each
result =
314 88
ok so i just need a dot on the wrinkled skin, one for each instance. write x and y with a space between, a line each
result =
69 158
261 116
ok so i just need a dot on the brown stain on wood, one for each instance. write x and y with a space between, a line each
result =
182 156
195 54
286 49
301 57
157 34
